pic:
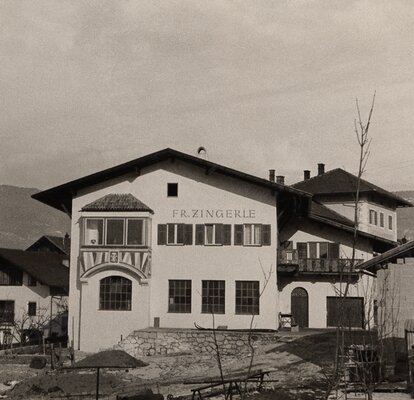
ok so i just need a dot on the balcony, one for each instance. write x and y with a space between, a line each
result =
289 263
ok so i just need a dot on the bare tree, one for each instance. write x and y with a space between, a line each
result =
347 274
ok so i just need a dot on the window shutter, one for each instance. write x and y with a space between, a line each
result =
266 235
180 233
162 234
199 239
219 234
238 235
227 235
188 234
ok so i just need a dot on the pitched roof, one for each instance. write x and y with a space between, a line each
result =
406 249
62 244
60 197
320 211
117 202
46 267
340 181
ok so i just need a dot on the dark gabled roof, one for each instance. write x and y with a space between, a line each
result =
406 249
46 267
117 202
339 181
60 243
60 197
321 212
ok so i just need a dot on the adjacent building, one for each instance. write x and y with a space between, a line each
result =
33 293
169 239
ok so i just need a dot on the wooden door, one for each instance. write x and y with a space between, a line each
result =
299 307
351 310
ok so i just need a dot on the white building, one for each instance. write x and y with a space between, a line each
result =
168 238
33 289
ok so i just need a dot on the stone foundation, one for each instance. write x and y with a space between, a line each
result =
150 342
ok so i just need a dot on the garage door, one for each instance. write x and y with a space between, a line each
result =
351 309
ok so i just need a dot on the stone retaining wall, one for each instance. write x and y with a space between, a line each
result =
151 342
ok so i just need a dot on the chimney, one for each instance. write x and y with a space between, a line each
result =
280 179
271 175
306 174
321 169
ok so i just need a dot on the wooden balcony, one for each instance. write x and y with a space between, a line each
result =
290 263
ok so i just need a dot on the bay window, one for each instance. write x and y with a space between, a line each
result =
115 232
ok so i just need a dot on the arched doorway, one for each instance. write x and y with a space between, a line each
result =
299 307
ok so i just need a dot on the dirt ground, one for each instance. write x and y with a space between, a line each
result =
296 366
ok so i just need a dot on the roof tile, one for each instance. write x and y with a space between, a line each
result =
117 202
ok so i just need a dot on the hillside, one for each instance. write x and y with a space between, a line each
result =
405 216
23 219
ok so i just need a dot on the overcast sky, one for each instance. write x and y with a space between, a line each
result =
86 85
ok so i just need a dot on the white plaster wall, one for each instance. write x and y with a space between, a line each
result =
318 291
347 209
22 295
320 287
196 190
395 298
102 328
363 250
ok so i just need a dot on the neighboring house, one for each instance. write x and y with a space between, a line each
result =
395 295
33 292
54 244
169 238
316 251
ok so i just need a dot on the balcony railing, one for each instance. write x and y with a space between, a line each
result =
290 258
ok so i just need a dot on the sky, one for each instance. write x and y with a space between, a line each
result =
261 84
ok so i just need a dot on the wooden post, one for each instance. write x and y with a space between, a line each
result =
44 345
97 383
52 356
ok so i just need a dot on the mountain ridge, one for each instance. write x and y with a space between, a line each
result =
23 220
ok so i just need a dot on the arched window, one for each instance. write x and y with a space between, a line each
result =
115 293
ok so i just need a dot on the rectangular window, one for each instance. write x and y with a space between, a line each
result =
390 226
213 295
381 220
94 232
175 234
172 189
32 281
373 216
252 235
6 311
135 232
247 297
179 296
31 309
115 231
213 234
10 277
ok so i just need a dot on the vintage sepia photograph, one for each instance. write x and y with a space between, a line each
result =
206 199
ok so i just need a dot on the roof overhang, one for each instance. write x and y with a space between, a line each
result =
60 197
